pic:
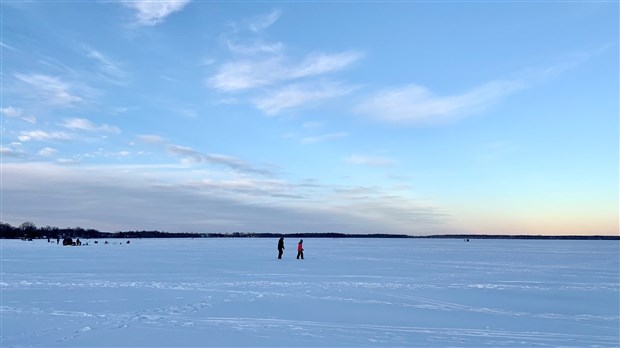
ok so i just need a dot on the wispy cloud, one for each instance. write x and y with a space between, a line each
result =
46 152
285 81
262 22
254 47
321 63
108 68
151 12
246 186
39 135
246 37
151 138
9 47
372 161
246 74
10 111
324 137
189 155
68 161
50 89
10 152
417 104
298 94
86 125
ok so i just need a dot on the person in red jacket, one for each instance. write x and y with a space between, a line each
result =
300 249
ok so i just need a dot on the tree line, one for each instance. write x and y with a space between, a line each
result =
29 230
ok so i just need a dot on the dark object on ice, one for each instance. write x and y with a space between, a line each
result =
127 242
68 241
77 242
280 247
57 240
300 249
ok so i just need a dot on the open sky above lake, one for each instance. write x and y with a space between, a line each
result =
353 117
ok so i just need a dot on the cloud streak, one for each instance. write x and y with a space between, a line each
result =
47 152
109 69
10 152
10 111
40 135
51 89
150 13
263 22
284 82
250 73
372 161
86 125
295 95
417 104
191 156
323 137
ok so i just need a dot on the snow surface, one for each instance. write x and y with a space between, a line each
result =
347 292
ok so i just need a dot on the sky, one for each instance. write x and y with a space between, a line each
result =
413 118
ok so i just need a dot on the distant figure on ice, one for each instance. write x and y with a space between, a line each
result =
300 249
280 247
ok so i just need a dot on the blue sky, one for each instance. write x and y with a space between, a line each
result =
355 117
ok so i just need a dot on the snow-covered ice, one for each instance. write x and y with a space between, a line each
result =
347 292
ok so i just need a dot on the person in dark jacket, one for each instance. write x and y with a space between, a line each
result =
300 249
280 247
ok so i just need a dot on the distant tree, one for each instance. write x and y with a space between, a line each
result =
28 226
49 232
29 230
8 231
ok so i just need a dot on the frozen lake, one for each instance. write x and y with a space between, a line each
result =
347 292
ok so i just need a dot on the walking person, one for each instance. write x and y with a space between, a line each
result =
280 247
300 249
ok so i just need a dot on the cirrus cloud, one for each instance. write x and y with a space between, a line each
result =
10 111
87 125
250 73
51 89
42 136
151 13
372 161
417 104
298 94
